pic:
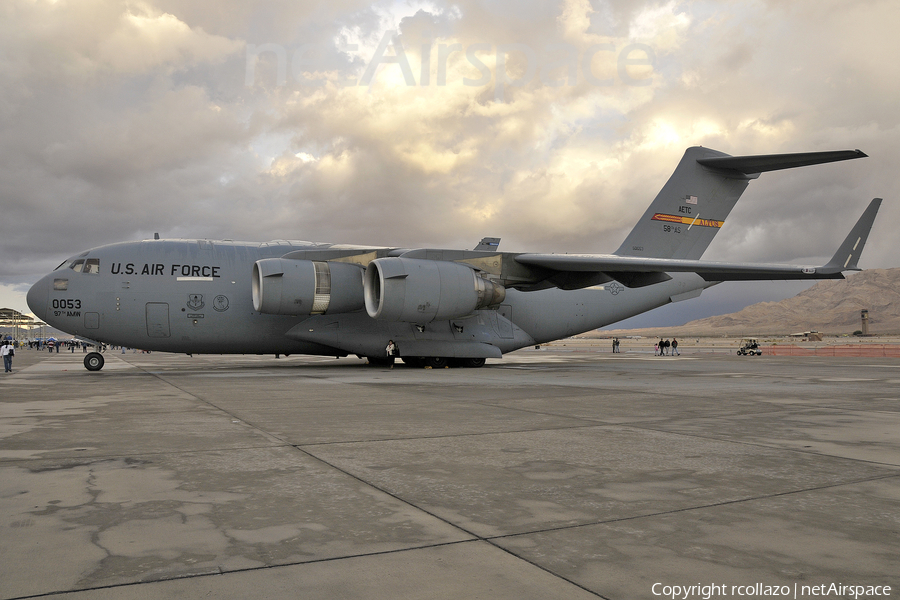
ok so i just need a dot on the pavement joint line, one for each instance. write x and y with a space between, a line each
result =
590 422
233 416
447 436
485 539
220 572
92 458
645 426
694 508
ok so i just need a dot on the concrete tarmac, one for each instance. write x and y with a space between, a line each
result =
548 474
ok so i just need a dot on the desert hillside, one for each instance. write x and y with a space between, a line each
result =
832 307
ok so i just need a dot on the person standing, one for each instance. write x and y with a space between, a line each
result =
7 350
391 350
675 347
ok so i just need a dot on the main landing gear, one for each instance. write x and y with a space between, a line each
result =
434 362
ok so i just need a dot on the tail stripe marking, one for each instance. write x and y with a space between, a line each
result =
687 220
694 221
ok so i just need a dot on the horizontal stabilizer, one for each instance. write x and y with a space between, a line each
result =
774 162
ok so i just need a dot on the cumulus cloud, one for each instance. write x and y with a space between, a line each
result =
551 124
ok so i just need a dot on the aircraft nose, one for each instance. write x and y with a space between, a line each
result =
38 297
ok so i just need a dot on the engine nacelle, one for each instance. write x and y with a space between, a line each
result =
421 291
283 286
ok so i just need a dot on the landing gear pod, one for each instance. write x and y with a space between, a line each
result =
420 291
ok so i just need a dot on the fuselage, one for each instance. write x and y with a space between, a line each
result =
195 296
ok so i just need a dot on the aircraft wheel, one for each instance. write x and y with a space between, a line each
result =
437 362
471 363
93 361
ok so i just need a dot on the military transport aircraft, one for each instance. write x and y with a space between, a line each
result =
441 307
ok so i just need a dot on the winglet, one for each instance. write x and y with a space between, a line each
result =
847 256
488 244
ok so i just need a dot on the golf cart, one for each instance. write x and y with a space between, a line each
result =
750 347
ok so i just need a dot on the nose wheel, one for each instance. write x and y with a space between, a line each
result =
93 361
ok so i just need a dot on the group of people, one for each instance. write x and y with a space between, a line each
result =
663 346
8 348
52 345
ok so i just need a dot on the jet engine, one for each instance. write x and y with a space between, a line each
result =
420 291
284 286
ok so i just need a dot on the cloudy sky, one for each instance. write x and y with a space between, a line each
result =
436 123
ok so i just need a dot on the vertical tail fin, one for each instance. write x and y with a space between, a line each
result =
693 204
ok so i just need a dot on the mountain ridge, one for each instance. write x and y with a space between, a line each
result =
831 306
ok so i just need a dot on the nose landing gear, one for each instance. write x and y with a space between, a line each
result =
93 361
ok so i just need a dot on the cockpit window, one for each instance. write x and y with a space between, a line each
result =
92 265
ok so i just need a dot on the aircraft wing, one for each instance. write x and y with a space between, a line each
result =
638 271
629 266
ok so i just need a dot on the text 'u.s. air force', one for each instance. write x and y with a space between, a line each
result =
171 270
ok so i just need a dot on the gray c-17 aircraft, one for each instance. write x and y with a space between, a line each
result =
441 307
